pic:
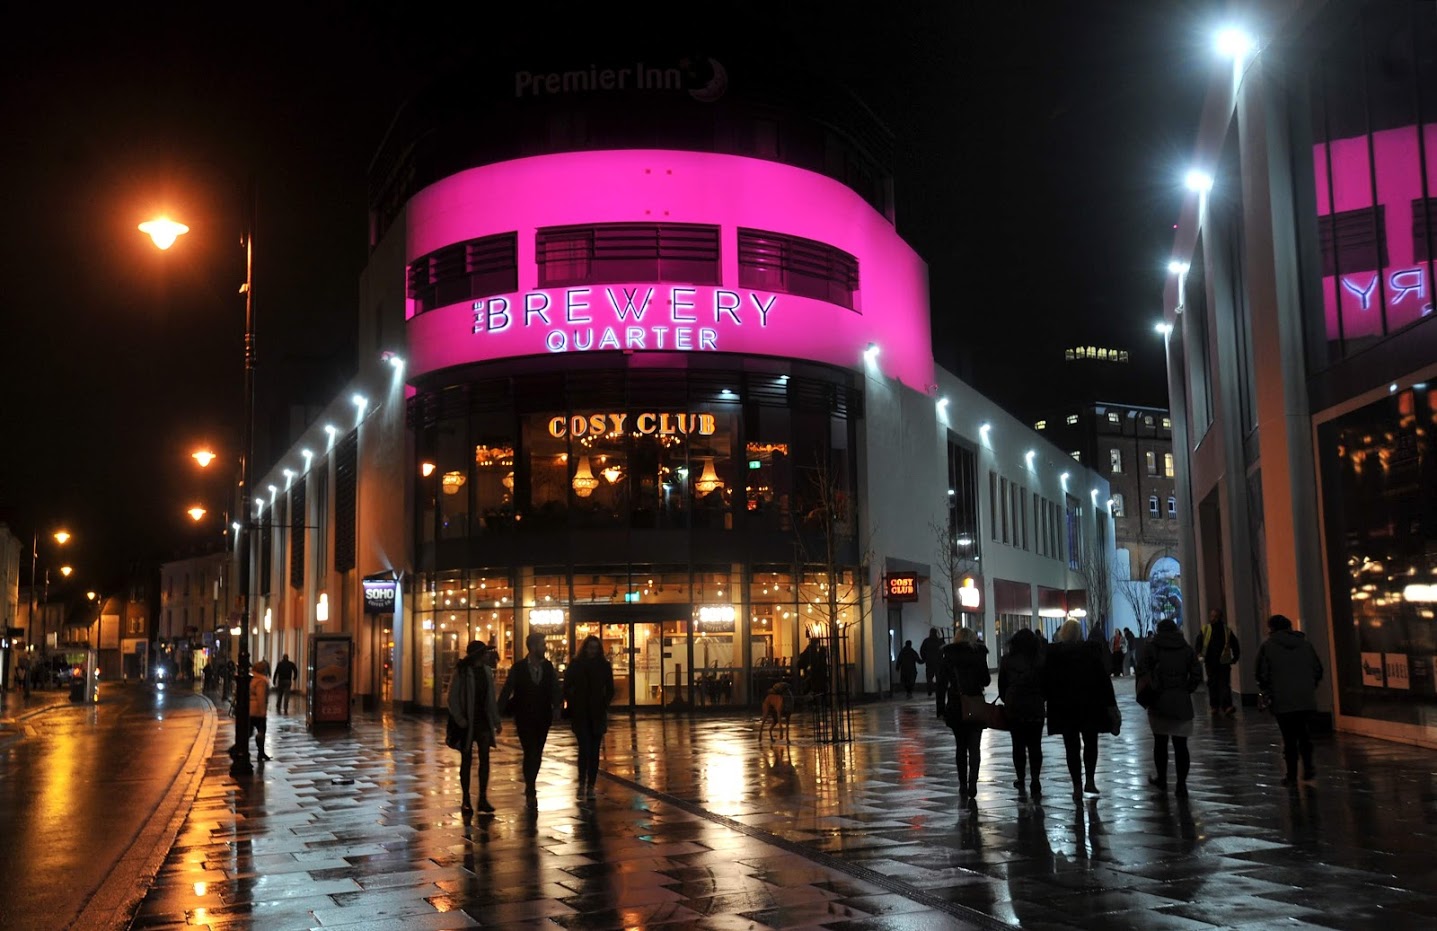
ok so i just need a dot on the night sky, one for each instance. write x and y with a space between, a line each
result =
1040 149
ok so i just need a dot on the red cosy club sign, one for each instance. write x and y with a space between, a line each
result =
625 317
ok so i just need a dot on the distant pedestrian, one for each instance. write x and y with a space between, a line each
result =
1170 672
22 671
1288 671
208 676
1217 646
531 693
474 709
588 690
812 670
227 673
259 705
1020 686
1079 693
930 654
963 673
1130 642
1119 650
908 667
284 675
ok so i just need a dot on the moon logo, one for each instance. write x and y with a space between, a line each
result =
716 86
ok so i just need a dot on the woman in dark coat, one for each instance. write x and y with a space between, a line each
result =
588 690
908 667
471 705
963 670
1020 685
1170 671
531 694
1079 693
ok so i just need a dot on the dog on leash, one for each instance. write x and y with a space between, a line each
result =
777 709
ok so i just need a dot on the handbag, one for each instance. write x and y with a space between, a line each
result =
1115 720
454 735
1146 694
977 711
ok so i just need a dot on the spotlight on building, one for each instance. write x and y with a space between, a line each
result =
1164 328
1235 42
984 429
871 352
942 405
1199 181
1177 268
1029 456
393 358
1064 479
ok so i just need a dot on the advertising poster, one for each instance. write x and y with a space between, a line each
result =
331 681
1372 669
1395 665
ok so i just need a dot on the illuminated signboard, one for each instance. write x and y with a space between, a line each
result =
901 586
379 596
716 618
645 424
970 594
546 618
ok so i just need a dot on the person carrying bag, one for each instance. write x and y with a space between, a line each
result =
962 676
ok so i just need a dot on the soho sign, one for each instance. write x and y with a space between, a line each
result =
626 318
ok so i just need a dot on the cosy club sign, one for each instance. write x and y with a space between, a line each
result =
624 317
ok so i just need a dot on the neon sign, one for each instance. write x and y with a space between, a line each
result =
901 586
579 319
645 424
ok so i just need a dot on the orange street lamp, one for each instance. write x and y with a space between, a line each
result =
163 231
203 456
196 513
62 537
66 570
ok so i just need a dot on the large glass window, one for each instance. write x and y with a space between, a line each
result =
963 501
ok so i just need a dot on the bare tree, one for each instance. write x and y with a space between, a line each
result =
826 539
1138 595
1096 573
951 563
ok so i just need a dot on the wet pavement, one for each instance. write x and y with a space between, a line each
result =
700 823
90 798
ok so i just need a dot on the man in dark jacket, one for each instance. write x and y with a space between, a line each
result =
1218 648
1288 671
532 693
929 654
908 667
284 675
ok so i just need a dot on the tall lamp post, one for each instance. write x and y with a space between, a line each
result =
61 537
164 232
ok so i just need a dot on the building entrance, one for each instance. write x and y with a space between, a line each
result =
649 654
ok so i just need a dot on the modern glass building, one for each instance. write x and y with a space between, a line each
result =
643 357
1303 347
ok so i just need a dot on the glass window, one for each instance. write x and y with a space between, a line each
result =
1168 465
1153 507
1077 456
776 262
1172 506
963 500
1072 419
768 468
773 626
1115 461
1117 505
628 252
1114 417
1147 420
547 458
1150 459
1041 425
600 478
1167 423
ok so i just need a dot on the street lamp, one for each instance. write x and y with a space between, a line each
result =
61 537
164 232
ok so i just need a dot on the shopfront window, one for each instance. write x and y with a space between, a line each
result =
717 607
547 609
600 476
451 475
547 458
773 626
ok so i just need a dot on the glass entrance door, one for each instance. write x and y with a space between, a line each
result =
648 656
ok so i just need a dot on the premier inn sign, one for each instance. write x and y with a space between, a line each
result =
645 424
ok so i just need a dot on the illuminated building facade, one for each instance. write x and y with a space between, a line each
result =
1302 348
650 362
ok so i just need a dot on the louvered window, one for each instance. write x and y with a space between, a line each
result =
346 487
1424 220
464 271
616 253
1353 241
790 265
296 534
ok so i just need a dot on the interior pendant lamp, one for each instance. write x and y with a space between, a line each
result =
584 481
708 480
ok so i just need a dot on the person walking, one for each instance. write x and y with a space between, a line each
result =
930 654
531 695
259 705
1130 660
284 675
22 672
1079 692
1218 648
908 667
1119 650
1020 686
588 690
963 672
1288 671
473 709
1169 672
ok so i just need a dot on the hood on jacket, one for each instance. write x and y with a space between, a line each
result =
1287 639
1169 640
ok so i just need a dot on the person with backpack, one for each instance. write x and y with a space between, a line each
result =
1217 646
963 673
1020 686
1168 674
